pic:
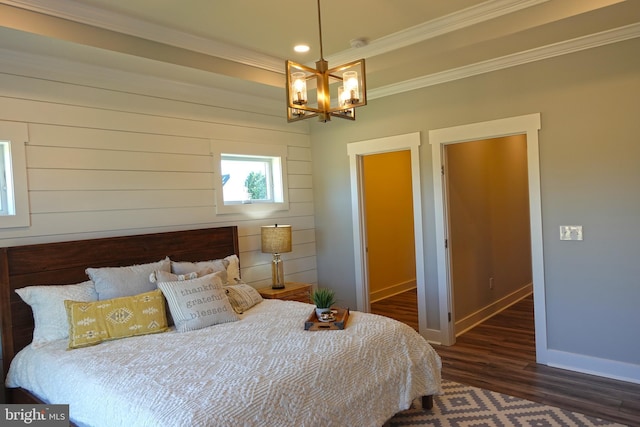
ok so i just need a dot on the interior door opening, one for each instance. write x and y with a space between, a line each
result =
489 241
528 125
356 151
388 219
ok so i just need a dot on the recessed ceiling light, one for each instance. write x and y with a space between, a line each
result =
301 48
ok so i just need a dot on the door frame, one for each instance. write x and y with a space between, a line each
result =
438 138
356 151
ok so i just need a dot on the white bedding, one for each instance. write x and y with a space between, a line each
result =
264 370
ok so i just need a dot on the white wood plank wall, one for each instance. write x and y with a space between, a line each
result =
105 161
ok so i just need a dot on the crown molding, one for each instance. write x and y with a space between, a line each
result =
101 77
449 23
116 22
507 61
89 15
73 72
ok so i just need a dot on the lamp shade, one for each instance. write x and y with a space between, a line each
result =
276 239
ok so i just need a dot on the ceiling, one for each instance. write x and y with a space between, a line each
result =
241 45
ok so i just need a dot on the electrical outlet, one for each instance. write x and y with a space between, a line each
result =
570 232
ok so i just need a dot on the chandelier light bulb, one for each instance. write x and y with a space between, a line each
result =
343 97
351 91
299 88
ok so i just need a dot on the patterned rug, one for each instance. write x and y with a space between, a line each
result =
465 406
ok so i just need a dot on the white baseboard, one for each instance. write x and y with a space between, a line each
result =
574 362
434 336
391 291
612 369
474 319
594 366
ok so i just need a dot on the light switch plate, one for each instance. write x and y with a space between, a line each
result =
570 232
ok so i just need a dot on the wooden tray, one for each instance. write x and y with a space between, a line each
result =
313 324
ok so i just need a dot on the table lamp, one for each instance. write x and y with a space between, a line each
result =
276 239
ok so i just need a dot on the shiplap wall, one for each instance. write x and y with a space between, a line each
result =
104 160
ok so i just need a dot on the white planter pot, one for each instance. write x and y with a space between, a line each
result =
320 311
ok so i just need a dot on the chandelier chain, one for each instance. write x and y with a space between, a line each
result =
320 31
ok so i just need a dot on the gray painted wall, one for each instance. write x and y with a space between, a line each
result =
590 171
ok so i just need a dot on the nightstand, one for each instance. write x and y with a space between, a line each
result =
292 291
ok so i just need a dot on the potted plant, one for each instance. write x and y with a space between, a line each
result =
323 298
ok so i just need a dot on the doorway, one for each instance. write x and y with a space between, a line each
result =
356 152
528 125
388 206
489 238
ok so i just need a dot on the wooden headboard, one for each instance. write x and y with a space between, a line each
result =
64 263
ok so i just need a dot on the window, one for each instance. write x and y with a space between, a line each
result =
252 177
6 180
14 197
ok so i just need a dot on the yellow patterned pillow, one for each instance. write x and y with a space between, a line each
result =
91 323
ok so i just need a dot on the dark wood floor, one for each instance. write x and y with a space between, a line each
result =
499 355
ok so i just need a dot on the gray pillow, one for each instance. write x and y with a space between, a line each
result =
216 265
163 276
198 303
115 282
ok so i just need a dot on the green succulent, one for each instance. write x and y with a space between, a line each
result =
323 297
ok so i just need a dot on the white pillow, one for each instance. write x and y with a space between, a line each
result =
198 303
233 270
115 282
242 297
49 313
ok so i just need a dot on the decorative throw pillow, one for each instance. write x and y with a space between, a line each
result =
233 269
242 297
198 303
163 276
185 267
115 282
91 323
47 305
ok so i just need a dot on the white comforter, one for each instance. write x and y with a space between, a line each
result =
264 370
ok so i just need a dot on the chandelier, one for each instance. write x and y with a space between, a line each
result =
338 91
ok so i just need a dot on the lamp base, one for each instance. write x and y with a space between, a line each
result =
277 272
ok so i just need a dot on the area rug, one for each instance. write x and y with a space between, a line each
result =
466 406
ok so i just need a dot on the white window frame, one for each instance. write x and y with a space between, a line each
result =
280 190
274 180
14 137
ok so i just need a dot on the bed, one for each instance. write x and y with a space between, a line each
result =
262 368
